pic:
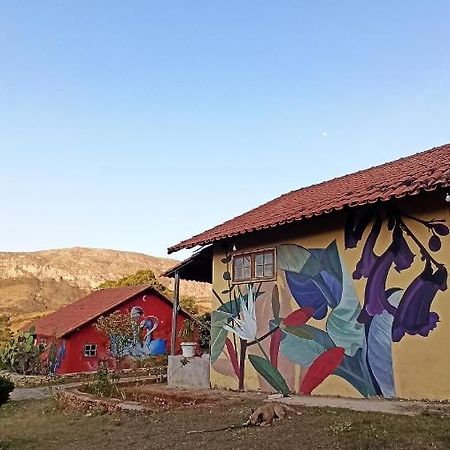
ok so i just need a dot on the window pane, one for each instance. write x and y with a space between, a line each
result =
90 350
242 267
259 259
268 270
268 258
259 271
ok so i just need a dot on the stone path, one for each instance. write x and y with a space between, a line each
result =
38 393
403 407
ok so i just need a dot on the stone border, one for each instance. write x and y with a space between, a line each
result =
76 399
31 381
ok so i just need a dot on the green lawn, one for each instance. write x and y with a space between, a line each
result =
42 425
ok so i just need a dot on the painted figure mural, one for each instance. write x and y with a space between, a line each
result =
130 334
331 331
143 344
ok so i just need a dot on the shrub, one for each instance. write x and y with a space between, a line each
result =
189 303
6 387
104 384
118 327
187 331
21 354
205 331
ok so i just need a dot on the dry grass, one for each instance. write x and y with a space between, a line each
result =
41 425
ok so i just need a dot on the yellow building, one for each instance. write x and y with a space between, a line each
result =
339 288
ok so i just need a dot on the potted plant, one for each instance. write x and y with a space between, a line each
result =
187 332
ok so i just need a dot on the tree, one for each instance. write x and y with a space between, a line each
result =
140 277
118 327
187 302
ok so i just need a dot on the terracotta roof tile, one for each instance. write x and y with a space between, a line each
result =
407 176
75 314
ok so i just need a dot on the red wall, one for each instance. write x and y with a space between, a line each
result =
74 359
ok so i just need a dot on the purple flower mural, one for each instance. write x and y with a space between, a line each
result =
413 314
390 313
368 257
355 341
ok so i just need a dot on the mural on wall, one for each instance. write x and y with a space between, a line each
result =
131 334
53 354
143 344
355 338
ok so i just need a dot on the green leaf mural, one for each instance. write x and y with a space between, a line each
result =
232 307
218 333
292 257
269 373
300 332
354 370
304 351
379 343
342 325
331 261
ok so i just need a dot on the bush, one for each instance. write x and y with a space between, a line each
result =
205 331
104 384
6 387
187 330
21 354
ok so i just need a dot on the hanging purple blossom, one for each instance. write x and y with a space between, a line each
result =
397 253
355 226
368 256
413 315
375 293
404 257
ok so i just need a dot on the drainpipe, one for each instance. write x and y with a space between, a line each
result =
176 301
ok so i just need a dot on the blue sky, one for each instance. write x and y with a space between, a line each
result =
133 125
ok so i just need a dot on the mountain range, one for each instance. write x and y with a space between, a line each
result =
33 284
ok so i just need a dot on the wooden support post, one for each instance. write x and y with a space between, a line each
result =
176 302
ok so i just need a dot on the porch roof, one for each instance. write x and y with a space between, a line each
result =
198 267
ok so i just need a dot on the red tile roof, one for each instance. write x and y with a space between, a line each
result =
424 171
76 314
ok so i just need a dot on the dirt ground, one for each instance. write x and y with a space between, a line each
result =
42 424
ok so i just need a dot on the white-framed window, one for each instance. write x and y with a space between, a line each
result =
254 266
90 350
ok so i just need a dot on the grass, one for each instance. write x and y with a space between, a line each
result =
42 425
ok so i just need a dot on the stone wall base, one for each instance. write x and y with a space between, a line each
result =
190 373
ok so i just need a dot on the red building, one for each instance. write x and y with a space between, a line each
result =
80 346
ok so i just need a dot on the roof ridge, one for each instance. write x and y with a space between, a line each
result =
358 172
92 317
358 175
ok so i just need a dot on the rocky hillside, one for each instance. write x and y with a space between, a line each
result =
36 283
